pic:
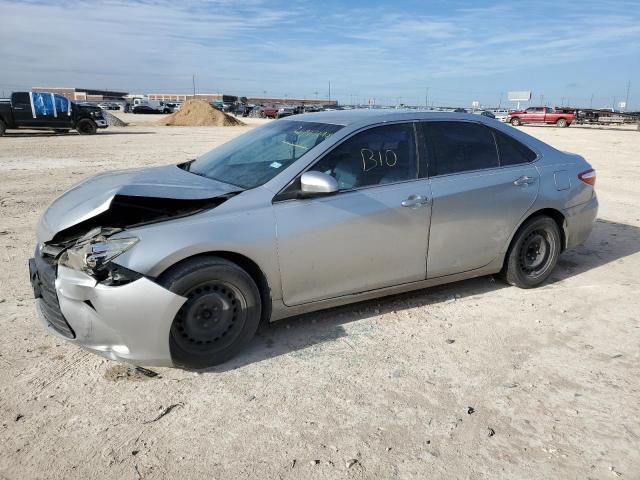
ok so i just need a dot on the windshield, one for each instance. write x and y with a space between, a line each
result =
256 157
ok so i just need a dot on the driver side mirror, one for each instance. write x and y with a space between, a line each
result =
317 183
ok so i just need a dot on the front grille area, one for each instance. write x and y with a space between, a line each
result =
46 278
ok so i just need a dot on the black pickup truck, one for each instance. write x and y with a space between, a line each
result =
44 110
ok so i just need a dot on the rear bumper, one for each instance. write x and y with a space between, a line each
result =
129 323
579 221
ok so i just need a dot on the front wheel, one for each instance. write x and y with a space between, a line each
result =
533 253
516 122
86 127
220 316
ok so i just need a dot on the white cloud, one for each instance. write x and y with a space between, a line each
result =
295 48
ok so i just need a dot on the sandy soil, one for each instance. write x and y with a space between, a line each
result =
381 389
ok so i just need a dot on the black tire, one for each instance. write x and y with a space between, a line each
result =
516 122
3 128
86 127
533 253
220 316
562 123
61 130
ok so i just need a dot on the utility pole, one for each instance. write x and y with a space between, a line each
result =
426 99
193 80
329 92
500 102
626 98
591 102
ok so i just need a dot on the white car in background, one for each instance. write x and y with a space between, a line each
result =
501 114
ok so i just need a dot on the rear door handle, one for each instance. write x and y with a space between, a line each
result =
415 201
523 181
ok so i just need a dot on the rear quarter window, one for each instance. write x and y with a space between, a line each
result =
511 151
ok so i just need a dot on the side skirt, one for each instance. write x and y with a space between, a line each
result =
281 311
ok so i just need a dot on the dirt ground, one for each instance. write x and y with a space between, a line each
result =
471 380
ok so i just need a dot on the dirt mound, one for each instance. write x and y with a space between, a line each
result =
114 121
197 113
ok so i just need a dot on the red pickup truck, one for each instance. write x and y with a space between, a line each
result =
540 115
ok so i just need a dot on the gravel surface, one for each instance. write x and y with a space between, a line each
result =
113 120
471 380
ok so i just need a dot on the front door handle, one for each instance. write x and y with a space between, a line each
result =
415 201
523 181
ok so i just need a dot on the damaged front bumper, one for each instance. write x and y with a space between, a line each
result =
128 322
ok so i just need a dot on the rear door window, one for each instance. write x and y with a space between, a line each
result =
453 147
21 98
512 152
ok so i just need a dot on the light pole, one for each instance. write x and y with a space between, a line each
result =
626 99
329 92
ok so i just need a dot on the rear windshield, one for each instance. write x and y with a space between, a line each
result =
254 158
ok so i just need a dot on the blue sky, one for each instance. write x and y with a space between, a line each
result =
393 51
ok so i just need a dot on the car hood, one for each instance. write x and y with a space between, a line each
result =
95 196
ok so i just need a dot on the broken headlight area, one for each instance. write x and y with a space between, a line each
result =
93 254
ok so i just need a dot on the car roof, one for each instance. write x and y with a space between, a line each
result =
365 116
362 118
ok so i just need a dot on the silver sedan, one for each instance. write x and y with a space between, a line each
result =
177 265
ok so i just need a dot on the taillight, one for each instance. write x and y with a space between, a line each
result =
588 176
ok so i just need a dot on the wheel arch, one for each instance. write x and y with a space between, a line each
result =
554 214
248 265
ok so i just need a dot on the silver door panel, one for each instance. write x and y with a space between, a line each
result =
474 214
353 241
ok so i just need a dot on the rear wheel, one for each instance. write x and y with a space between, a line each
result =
86 127
220 316
562 123
533 253
3 128
516 122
